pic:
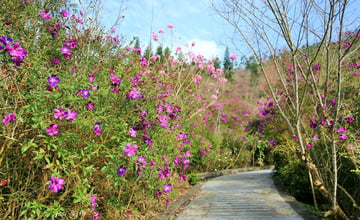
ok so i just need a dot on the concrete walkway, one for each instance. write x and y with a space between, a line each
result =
249 195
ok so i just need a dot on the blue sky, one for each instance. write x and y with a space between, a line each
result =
193 21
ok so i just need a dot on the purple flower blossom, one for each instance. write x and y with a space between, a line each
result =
143 61
121 170
333 102
85 93
45 15
9 117
70 115
66 52
64 13
93 202
90 105
158 194
309 145
53 81
141 160
273 143
163 119
59 113
341 130
164 172
91 78
349 119
52 129
97 128
167 188
343 136
16 51
133 94
313 123
130 150
56 184
114 80
132 132
316 67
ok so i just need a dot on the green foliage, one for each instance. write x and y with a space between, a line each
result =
137 42
253 67
293 175
148 51
193 179
159 50
217 63
228 65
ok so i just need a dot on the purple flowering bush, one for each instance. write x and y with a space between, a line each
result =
90 127
93 128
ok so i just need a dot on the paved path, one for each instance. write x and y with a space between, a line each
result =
250 195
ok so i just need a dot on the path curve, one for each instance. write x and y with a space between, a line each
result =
249 195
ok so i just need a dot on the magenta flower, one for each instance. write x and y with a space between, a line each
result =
132 132
343 137
97 128
341 130
93 202
167 188
161 31
333 102
155 37
349 119
114 80
66 52
9 117
70 115
130 150
59 113
91 79
64 13
309 145
85 93
170 26
316 67
141 160
233 57
52 129
121 170
56 184
133 94
90 105
16 50
45 15
53 81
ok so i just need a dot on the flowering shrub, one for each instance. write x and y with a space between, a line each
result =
92 128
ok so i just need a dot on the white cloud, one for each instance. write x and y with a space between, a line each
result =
209 49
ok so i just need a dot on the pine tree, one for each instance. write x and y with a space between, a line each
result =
167 52
148 51
228 64
159 50
137 43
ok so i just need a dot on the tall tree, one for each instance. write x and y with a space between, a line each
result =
228 65
137 43
148 51
311 79
217 63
